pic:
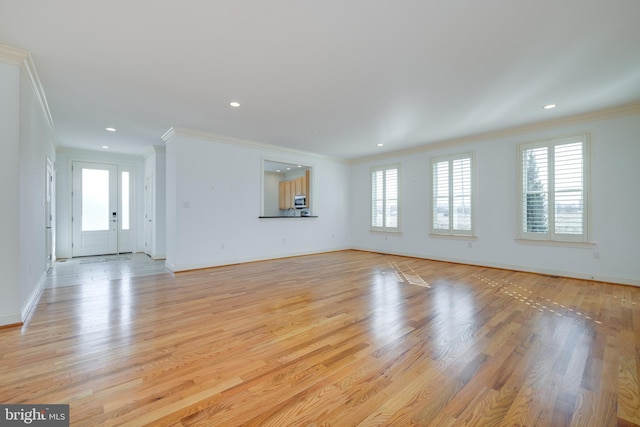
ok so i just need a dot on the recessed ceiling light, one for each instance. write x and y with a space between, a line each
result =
106 147
277 170
550 106
234 104
380 144
110 129
299 166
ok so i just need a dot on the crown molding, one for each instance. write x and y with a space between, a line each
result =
619 111
97 156
22 58
189 133
29 68
154 149
168 135
12 55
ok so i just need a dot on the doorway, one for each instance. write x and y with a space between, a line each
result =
101 205
148 218
48 216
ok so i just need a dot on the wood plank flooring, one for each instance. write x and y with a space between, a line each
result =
339 339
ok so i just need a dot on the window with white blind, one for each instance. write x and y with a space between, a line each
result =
553 202
384 198
453 195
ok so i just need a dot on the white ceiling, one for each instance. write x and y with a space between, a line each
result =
330 77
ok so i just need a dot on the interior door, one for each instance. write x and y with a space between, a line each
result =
95 209
148 218
48 216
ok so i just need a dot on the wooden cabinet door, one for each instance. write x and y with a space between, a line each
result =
298 186
288 196
307 184
282 195
303 185
287 190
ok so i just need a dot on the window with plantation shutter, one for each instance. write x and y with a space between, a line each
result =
553 190
453 196
384 198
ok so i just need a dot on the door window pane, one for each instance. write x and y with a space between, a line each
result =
125 201
95 200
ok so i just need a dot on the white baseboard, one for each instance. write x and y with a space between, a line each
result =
526 269
198 266
171 267
10 319
571 274
31 303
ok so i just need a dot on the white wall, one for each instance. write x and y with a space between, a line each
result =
160 206
615 144
27 142
36 145
272 193
65 157
9 194
214 201
155 168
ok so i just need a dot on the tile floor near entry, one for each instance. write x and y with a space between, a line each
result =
84 270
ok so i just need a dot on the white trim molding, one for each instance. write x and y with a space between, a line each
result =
631 281
619 111
22 58
203 136
12 55
30 305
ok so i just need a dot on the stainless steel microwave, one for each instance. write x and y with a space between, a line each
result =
300 201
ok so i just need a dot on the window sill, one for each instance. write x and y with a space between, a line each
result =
584 245
452 236
373 230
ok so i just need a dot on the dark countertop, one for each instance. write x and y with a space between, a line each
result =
285 216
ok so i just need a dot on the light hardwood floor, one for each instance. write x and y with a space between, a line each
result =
339 339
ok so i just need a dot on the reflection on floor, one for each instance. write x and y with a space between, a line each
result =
77 271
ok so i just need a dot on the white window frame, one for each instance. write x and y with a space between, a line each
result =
551 235
385 226
451 230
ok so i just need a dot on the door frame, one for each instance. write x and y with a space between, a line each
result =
132 168
148 215
49 209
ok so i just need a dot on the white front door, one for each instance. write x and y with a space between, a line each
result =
95 209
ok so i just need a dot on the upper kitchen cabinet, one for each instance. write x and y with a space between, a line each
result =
288 190
282 183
